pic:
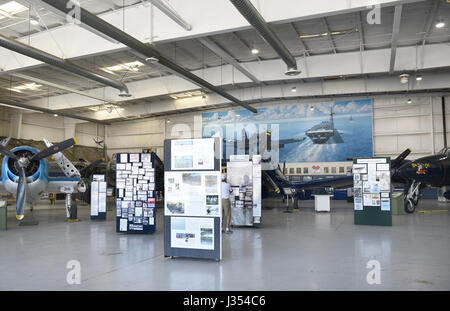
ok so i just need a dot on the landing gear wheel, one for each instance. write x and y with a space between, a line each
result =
410 207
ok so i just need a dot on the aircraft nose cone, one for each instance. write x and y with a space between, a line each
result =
406 171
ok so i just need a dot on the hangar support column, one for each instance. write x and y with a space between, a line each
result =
15 124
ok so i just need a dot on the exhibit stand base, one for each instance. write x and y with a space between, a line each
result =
185 251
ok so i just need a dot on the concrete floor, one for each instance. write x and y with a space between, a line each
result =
299 251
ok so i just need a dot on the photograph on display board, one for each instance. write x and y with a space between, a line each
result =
196 233
329 132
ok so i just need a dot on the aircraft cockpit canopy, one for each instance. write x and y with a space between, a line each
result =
445 152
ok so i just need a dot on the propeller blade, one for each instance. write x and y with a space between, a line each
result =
54 149
21 194
5 141
8 153
398 160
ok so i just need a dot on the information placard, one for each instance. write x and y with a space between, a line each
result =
135 193
372 191
192 198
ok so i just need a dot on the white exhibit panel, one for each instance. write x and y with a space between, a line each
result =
244 177
192 198
135 193
98 197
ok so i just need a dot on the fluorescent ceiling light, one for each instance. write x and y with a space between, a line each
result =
34 21
331 33
108 108
293 89
255 51
419 78
26 86
131 66
11 8
186 94
440 24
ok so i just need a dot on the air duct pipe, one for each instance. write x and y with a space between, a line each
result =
13 104
143 49
63 64
251 14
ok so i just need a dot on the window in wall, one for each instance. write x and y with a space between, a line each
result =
341 170
291 170
305 170
299 170
333 170
326 170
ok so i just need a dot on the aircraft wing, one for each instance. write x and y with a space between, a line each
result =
335 182
283 142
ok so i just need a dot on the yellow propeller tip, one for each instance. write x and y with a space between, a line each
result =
76 140
19 217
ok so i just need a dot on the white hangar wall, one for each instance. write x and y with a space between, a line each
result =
397 125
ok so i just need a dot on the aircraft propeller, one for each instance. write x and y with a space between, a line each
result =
22 162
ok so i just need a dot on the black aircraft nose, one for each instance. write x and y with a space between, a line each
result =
407 171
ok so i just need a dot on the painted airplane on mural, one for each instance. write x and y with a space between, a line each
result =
25 174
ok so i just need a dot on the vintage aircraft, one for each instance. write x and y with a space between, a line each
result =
25 174
425 171
276 181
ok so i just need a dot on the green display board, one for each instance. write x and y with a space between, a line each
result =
372 191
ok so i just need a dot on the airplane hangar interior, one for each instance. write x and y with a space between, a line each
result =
224 145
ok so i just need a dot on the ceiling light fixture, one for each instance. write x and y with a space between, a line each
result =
55 115
131 66
419 78
404 78
294 89
255 51
11 8
311 108
439 24
409 101
34 21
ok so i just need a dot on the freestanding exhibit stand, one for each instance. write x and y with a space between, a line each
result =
135 193
372 191
244 176
192 198
98 197
322 202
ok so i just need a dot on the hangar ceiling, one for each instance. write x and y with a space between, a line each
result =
328 37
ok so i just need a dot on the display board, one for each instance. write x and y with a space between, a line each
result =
98 197
244 176
372 191
135 193
192 198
